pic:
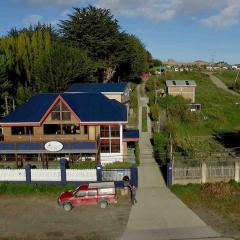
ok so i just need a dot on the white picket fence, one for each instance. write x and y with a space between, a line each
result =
81 175
12 175
221 172
46 175
186 173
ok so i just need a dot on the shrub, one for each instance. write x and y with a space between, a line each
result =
83 165
160 141
118 165
23 189
219 190
154 112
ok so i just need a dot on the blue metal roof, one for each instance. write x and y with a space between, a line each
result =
97 87
32 110
130 133
95 107
34 148
89 107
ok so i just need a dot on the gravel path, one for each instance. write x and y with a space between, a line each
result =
220 84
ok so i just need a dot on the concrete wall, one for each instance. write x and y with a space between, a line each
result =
186 92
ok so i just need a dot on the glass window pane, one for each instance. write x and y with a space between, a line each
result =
115 146
92 192
85 130
18 131
104 131
115 131
81 194
55 116
29 130
56 108
66 116
71 129
105 146
52 129
64 108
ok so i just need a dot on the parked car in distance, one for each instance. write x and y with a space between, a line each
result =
103 194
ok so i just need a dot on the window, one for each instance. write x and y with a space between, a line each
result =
85 130
105 146
56 116
66 116
51 129
80 194
115 131
104 131
71 129
60 112
92 193
22 130
110 139
115 146
17 130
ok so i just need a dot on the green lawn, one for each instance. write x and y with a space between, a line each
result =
35 189
217 201
228 77
144 119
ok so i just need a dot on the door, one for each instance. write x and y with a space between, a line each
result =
80 198
92 197
92 133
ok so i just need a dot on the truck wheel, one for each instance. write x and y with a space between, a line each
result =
103 204
67 207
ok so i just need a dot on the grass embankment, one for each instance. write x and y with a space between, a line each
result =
220 113
133 116
33 189
144 119
228 77
217 204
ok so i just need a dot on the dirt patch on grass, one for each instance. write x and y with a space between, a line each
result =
34 218
220 223
217 204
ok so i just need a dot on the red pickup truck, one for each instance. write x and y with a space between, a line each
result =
103 194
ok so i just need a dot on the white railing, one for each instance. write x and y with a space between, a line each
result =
46 175
81 174
115 174
221 172
12 175
187 173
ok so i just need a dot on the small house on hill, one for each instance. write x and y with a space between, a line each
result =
185 88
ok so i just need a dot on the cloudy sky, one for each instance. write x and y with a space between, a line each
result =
184 30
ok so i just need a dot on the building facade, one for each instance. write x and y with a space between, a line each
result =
185 88
86 125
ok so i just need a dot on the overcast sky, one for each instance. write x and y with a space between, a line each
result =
184 30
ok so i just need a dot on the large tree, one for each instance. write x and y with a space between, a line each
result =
96 31
61 66
132 58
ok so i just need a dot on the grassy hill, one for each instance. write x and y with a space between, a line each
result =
220 113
